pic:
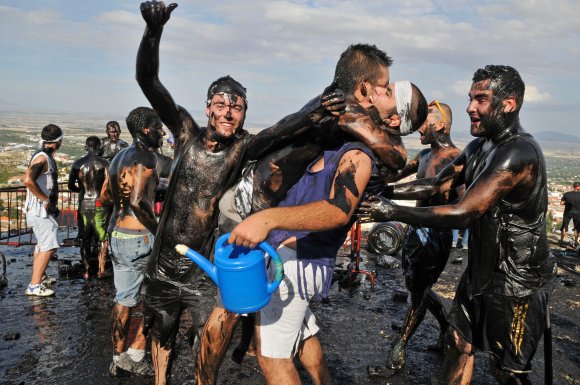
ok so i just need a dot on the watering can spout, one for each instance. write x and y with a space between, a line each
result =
200 260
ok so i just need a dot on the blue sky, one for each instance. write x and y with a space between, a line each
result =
79 57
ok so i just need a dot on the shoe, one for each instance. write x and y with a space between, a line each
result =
39 290
143 367
48 280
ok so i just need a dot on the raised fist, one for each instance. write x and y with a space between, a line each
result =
155 13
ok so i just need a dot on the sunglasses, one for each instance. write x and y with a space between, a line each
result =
436 103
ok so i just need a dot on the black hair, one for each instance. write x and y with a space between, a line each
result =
504 81
419 108
140 118
360 62
50 132
113 124
93 143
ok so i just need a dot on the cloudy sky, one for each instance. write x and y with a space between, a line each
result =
79 57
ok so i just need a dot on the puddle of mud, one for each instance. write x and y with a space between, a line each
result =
66 339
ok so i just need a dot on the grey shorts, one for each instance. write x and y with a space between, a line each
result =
130 254
45 230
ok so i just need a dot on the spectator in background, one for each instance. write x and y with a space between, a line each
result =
41 181
86 177
112 144
571 200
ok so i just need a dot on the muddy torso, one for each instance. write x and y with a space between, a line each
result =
431 162
191 203
508 247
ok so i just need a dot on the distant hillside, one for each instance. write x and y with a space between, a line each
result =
554 136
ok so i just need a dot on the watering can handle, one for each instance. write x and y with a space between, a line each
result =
265 246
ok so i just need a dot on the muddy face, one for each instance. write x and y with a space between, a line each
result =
485 111
385 102
226 114
113 134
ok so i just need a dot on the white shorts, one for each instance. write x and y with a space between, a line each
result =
45 230
287 320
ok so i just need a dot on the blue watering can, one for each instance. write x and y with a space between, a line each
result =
240 273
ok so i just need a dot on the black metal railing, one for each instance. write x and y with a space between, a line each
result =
14 230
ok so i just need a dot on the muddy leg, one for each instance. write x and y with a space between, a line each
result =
160 357
103 247
245 344
414 316
458 363
120 317
215 339
435 306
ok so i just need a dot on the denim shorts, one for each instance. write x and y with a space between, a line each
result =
45 230
130 251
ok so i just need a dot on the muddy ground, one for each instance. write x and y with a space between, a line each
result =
66 339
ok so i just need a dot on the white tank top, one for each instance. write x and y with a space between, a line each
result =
45 182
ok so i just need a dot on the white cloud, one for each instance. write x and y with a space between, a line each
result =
533 95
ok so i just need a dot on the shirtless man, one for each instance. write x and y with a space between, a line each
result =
501 302
112 144
425 255
207 162
131 187
86 177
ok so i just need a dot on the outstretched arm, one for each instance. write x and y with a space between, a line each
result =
502 178
330 104
350 180
366 126
176 118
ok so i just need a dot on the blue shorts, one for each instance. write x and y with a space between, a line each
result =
130 251
45 230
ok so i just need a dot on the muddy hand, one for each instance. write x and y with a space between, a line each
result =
333 100
155 13
375 209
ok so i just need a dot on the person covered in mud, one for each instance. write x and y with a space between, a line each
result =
131 188
112 144
207 162
266 181
86 177
501 302
308 227
41 181
425 250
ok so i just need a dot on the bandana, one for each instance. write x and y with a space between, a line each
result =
227 86
52 140
403 95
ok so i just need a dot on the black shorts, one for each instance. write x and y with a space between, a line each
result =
566 223
425 254
164 303
510 328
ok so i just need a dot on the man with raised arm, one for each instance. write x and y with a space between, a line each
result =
208 160
502 299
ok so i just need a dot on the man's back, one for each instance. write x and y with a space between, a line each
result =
91 173
132 175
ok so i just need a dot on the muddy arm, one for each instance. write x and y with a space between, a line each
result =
362 124
176 118
330 104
